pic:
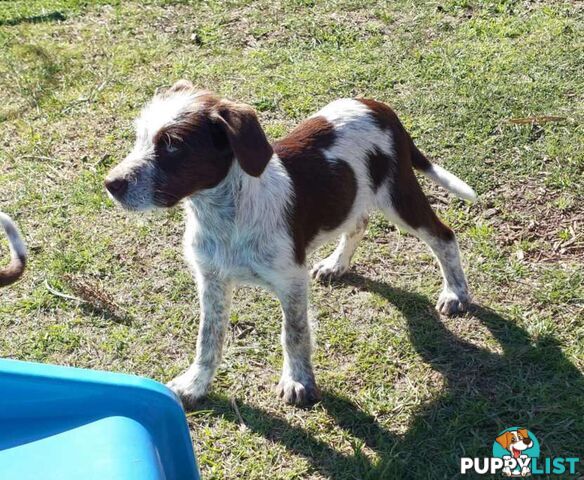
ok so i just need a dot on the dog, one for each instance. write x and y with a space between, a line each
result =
15 268
254 210
516 441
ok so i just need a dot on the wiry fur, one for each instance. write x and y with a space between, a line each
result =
257 222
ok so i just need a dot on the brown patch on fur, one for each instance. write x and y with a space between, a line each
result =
419 161
378 166
247 138
324 190
407 196
191 154
12 272
387 119
383 115
197 150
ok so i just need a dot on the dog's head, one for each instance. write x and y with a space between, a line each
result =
186 141
515 441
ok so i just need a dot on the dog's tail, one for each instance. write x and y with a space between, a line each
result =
442 176
17 263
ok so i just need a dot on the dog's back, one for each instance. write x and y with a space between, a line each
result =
15 268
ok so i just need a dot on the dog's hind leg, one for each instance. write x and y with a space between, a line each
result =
405 204
215 300
338 262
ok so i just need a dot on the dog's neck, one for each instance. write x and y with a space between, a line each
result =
241 200
216 208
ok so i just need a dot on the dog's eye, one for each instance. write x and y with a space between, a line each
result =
169 146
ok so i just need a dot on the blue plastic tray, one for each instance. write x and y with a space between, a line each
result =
59 423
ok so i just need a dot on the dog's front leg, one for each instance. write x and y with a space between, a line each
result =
215 301
297 385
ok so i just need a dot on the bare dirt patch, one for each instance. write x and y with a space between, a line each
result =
540 224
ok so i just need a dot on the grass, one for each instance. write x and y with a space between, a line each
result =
406 393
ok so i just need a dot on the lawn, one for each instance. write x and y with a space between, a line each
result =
405 392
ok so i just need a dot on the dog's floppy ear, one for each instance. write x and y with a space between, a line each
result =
246 137
505 440
181 85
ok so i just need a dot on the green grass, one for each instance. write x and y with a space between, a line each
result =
406 394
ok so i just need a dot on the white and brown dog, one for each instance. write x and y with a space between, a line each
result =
14 270
254 210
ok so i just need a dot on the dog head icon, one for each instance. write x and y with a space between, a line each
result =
515 441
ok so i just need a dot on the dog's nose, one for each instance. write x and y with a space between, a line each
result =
527 441
116 186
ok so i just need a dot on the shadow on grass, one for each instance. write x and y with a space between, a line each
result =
530 384
45 18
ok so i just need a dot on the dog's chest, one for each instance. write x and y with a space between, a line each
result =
234 251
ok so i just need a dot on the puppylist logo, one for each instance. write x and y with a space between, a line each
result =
516 453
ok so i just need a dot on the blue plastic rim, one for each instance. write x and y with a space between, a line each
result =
61 423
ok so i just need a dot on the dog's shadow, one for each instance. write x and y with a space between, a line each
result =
529 384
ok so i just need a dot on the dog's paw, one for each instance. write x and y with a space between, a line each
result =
327 270
451 303
188 391
297 393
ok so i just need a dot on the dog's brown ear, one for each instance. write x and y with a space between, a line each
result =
505 440
181 85
246 137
